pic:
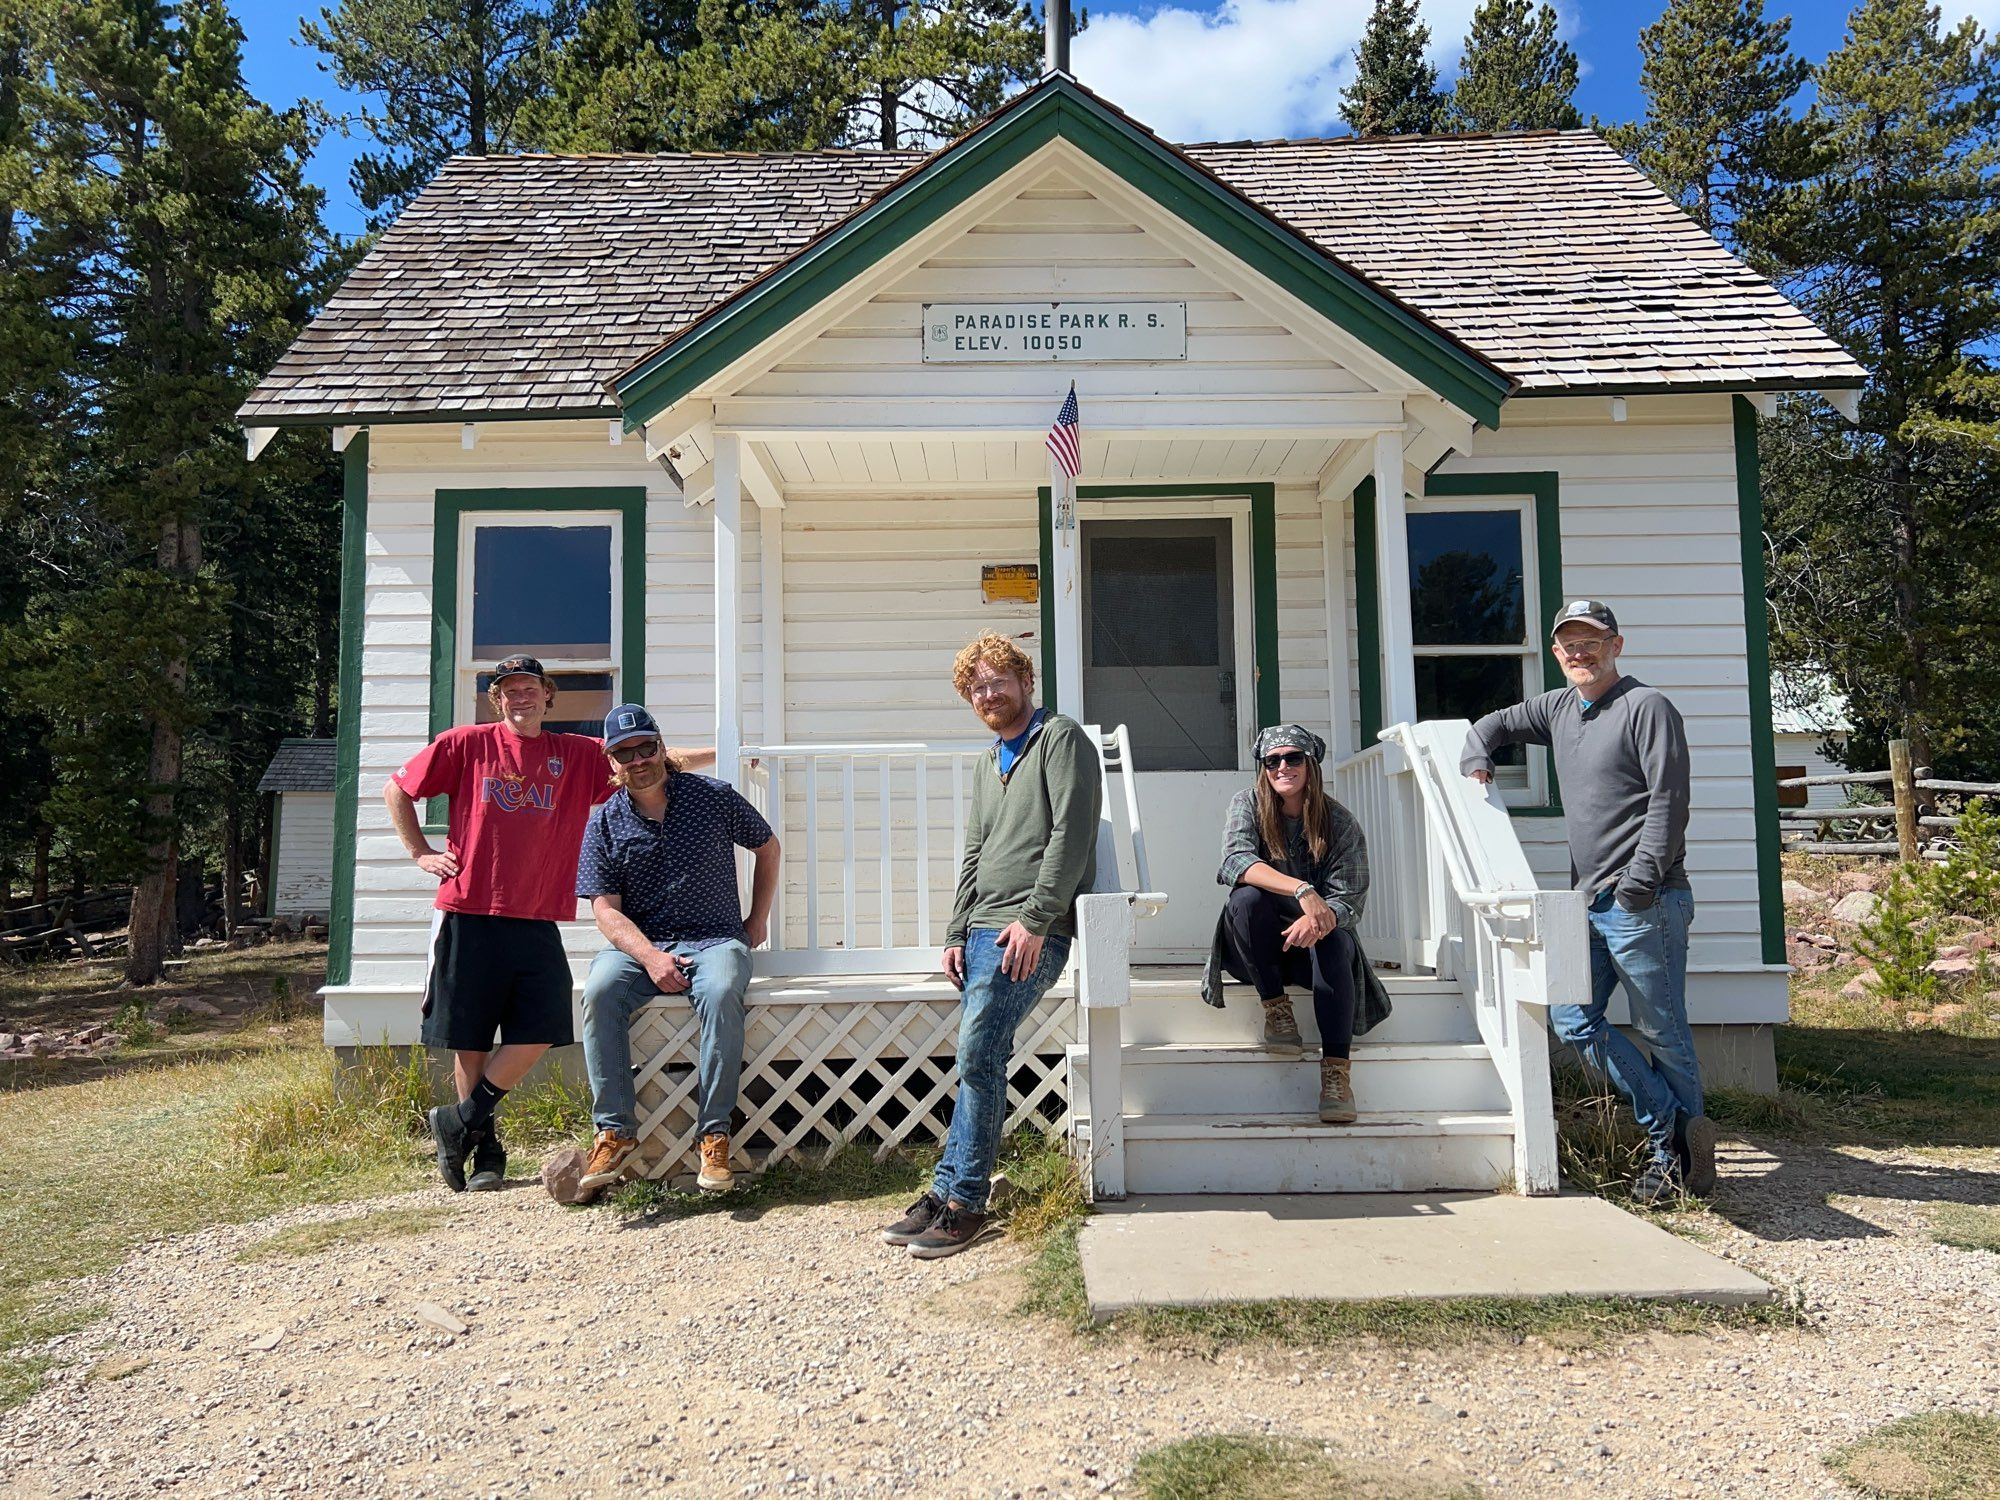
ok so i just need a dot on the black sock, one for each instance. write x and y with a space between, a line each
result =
477 1111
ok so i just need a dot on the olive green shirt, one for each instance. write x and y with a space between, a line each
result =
1031 840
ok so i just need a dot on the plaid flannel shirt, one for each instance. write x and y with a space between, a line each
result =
1341 878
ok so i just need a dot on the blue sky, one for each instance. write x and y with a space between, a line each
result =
1196 70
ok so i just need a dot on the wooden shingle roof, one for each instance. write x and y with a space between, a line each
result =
299 766
519 285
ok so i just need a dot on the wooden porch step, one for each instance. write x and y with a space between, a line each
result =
1247 1078
1390 1152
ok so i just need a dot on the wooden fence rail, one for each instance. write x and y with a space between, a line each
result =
1895 827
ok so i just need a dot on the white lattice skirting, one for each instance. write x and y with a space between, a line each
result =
825 1072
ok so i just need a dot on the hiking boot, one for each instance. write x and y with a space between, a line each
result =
1697 1152
454 1143
715 1176
489 1164
1659 1182
955 1229
1336 1091
1281 1027
607 1159
916 1219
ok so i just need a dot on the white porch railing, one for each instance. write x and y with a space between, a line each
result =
1454 892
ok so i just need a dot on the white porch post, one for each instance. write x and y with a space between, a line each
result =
1067 590
1339 644
771 549
1392 560
728 604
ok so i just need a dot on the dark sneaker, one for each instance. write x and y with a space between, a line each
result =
489 1164
1698 1155
1281 1027
1659 1182
454 1144
916 1219
956 1229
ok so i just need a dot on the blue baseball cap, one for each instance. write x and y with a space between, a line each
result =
629 721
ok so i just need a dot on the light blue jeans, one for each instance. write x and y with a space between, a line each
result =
616 987
1646 951
994 1007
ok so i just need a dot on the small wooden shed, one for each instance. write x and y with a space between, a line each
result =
300 778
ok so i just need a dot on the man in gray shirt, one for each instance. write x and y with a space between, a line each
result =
1622 758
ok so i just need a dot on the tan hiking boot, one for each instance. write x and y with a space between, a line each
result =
1336 1092
608 1153
715 1176
1281 1027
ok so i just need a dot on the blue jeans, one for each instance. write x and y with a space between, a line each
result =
616 987
994 1008
1647 952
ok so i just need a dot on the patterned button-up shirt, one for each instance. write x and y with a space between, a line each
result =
676 879
1341 878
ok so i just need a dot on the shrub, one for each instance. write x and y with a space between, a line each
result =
1900 941
1966 882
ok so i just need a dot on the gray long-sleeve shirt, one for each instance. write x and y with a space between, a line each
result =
1623 763
1031 841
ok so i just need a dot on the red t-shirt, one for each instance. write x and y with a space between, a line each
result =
518 807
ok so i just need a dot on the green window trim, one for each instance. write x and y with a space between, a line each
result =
1263 574
1757 652
1058 107
1544 488
347 727
628 502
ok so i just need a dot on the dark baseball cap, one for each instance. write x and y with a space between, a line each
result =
1594 612
517 666
629 721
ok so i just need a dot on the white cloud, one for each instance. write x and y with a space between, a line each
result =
1249 68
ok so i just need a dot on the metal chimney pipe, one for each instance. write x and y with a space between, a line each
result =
1055 23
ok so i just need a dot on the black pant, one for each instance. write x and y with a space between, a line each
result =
1254 927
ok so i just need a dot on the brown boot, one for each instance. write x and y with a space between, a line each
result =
715 1176
1281 1027
608 1154
1336 1092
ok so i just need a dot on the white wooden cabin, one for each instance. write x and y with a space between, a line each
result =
1809 717
1426 390
300 782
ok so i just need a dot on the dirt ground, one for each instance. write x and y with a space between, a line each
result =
785 1351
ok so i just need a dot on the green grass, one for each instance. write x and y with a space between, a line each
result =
311 1239
1885 1087
1965 1226
1268 1468
1939 1455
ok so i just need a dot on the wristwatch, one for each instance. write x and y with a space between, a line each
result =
1306 888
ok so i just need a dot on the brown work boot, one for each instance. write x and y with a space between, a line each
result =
1281 1027
1336 1092
607 1159
715 1176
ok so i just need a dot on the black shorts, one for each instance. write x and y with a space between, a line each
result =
488 974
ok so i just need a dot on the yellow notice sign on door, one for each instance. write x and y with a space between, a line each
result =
1011 583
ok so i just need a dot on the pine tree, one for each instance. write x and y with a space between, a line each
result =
1897 237
1719 135
620 83
1395 90
453 76
1517 74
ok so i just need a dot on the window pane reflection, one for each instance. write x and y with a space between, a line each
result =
1467 586
1464 687
543 590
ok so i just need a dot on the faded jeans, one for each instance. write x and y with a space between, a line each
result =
616 987
994 1007
1646 951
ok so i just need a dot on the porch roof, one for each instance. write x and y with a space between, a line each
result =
521 285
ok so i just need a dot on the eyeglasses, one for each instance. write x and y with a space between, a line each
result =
1289 759
989 686
1585 649
643 750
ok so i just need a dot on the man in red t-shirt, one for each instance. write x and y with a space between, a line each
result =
520 796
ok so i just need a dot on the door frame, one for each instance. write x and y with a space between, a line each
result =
1257 502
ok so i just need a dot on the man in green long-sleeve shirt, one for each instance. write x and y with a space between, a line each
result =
1030 850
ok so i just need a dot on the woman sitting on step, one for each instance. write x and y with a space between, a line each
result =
1297 866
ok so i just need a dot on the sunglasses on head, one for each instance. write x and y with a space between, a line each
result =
1289 759
640 750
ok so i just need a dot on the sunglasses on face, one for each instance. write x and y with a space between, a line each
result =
642 750
1289 759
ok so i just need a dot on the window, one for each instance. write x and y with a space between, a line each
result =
1475 613
546 585
1792 796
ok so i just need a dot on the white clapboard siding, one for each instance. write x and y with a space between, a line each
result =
302 864
1649 518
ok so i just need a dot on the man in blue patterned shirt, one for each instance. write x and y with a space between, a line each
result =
659 871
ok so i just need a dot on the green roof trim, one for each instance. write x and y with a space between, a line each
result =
1059 107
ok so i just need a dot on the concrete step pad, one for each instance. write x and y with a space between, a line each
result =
1174 1251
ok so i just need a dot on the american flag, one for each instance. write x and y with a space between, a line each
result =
1065 440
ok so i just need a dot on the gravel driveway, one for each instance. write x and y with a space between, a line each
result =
789 1353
